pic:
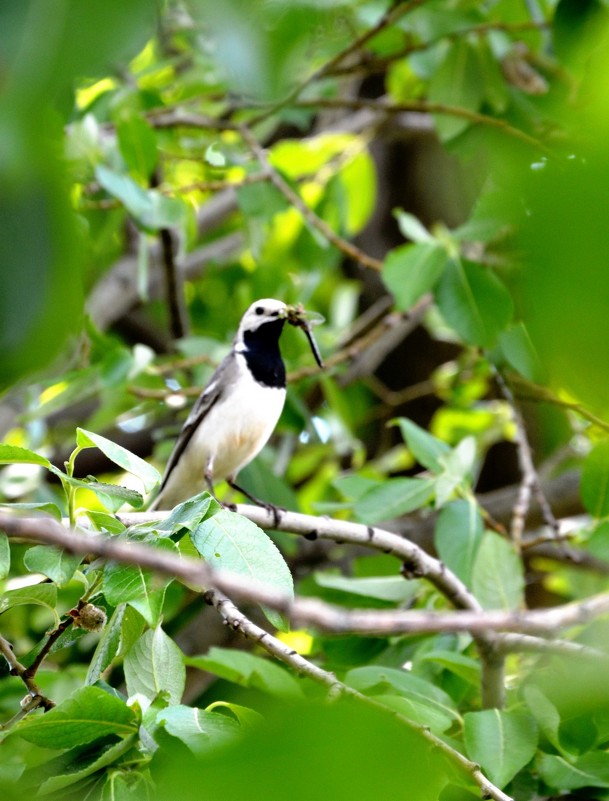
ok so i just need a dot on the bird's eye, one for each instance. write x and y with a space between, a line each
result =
259 310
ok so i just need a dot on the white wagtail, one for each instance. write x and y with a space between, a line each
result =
238 410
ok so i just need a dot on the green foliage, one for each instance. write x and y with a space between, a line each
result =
220 148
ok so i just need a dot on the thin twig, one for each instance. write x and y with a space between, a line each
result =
233 617
528 391
388 18
307 212
17 669
384 106
530 479
52 638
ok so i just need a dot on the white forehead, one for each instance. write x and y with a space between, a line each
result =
268 304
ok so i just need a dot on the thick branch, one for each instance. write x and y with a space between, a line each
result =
308 611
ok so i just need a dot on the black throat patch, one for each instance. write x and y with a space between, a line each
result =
263 356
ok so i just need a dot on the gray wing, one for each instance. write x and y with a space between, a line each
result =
220 382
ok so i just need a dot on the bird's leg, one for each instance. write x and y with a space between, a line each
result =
208 475
274 510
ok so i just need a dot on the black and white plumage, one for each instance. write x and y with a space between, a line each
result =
237 412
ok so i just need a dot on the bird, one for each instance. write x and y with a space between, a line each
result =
237 411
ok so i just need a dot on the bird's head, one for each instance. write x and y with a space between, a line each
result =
267 310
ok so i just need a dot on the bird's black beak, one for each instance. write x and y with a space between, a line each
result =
297 316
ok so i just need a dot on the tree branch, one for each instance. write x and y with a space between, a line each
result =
348 248
233 617
470 616
384 105
26 676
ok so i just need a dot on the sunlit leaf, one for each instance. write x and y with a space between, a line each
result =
12 454
149 207
148 474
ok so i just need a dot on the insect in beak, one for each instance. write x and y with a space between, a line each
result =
301 318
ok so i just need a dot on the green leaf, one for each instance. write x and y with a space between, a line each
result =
188 515
128 785
12 454
57 565
48 508
392 589
135 586
501 742
214 156
463 666
410 271
425 448
456 82
498 580
358 178
342 748
107 647
246 717
395 497
148 474
557 772
248 670
474 302
155 664
85 765
199 730
458 535
87 714
105 522
124 583
5 556
113 496
493 81
150 208
545 713
137 143
39 594
457 470
517 348
411 227
420 710
595 480
427 703
228 541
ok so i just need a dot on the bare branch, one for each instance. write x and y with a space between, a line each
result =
26 676
307 212
384 105
306 611
238 621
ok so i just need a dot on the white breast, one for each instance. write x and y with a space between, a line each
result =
232 433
